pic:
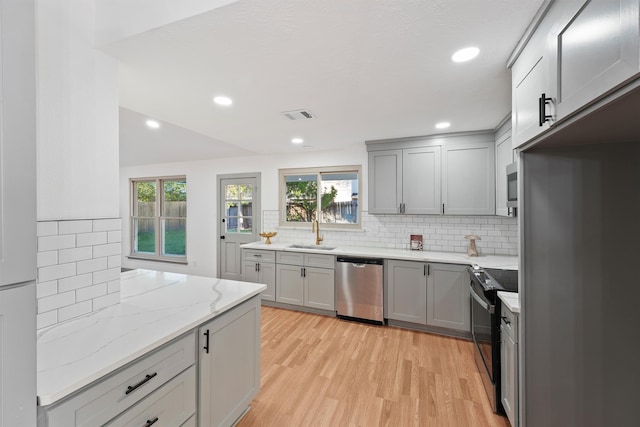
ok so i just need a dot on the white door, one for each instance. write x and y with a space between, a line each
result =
239 209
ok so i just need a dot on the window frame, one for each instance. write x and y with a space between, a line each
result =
318 171
158 219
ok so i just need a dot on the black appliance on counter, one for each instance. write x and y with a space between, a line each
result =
485 325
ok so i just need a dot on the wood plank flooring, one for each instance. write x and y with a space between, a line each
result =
322 371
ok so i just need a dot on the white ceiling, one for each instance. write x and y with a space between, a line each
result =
368 69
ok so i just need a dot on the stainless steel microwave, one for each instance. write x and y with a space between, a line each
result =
512 185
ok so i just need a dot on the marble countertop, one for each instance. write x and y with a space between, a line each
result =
155 308
485 261
511 300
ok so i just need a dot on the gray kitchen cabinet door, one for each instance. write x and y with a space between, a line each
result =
468 178
289 287
229 361
509 377
504 157
421 180
261 272
18 355
406 291
448 297
17 143
319 288
597 48
267 277
385 181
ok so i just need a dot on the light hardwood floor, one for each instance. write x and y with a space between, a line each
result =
322 371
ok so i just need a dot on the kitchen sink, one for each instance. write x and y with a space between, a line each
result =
322 248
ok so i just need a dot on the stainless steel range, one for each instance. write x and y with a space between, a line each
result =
485 325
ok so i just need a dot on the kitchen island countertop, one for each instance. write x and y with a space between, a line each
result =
485 261
155 308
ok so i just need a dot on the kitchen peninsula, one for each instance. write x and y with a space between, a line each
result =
138 360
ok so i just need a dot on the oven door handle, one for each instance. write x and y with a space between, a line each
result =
487 306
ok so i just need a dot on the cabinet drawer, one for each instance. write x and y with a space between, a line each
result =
170 405
259 255
103 400
509 323
293 258
317 260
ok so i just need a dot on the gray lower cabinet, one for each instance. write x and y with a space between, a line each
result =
509 364
306 280
448 303
229 362
406 291
428 294
258 266
133 390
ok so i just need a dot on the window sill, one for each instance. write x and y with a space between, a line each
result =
323 228
154 259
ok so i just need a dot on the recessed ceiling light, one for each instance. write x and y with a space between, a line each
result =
466 54
307 147
222 100
443 125
297 140
153 124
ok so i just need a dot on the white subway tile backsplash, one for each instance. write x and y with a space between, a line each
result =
75 282
47 228
75 227
106 275
110 224
91 292
75 254
56 301
46 319
74 310
92 265
47 258
114 236
114 261
439 233
57 271
92 239
106 250
54 243
45 289
78 268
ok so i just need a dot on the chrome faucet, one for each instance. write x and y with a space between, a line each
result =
315 227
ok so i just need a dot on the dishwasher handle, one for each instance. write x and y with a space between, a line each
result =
360 262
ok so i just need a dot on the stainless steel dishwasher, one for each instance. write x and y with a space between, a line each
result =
359 292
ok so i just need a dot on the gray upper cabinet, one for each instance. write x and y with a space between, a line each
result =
385 181
580 51
405 181
17 144
406 291
597 48
504 157
448 298
468 185
421 180
418 175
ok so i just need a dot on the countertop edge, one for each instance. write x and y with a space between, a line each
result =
511 300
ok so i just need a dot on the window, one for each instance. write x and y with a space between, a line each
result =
159 218
329 195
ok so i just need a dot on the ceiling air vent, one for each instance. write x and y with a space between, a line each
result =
298 115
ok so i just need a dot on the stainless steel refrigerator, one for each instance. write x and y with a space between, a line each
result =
17 215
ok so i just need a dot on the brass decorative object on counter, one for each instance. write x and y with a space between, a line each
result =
472 251
268 235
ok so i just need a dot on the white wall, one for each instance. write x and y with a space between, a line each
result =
202 216
77 116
